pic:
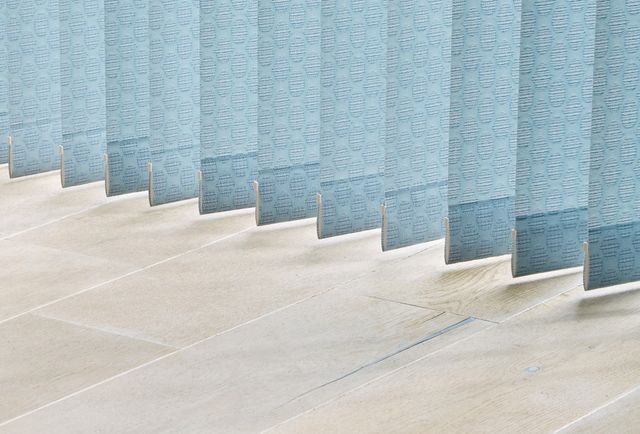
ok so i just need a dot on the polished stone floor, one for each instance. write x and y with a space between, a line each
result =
120 318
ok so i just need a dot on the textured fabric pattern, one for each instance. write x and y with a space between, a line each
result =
483 124
127 92
417 127
33 44
174 74
288 109
352 114
554 134
614 197
228 104
4 85
82 75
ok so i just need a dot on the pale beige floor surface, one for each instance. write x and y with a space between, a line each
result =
116 317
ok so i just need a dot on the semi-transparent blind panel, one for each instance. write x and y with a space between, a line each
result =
33 45
614 196
483 124
554 134
228 104
417 125
353 116
174 80
288 110
127 92
82 71
4 85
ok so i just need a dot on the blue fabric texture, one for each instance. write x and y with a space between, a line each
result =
614 197
417 126
288 110
33 45
483 124
513 122
174 80
228 104
82 74
554 134
4 85
127 95
352 114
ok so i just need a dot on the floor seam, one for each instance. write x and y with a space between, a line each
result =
546 300
158 359
418 360
381 359
138 270
599 408
373 380
335 287
177 350
101 330
123 276
375 297
59 219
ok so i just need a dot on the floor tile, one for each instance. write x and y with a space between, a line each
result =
219 287
42 360
533 373
36 200
482 289
129 230
261 373
31 276
619 415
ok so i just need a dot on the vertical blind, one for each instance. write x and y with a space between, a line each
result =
288 110
82 80
504 126
127 95
554 127
33 72
4 84
352 113
613 248
228 104
485 53
417 125
174 104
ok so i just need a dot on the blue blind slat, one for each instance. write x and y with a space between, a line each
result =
4 85
417 126
483 123
352 113
174 86
288 109
614 197
554 134
33 46
229 104
82 73
127 94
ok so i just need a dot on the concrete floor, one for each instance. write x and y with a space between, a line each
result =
117 317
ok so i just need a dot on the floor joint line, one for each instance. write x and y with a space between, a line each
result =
123 276
51 222
418 360
381 359
102 330
181 349
375 297
597 409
